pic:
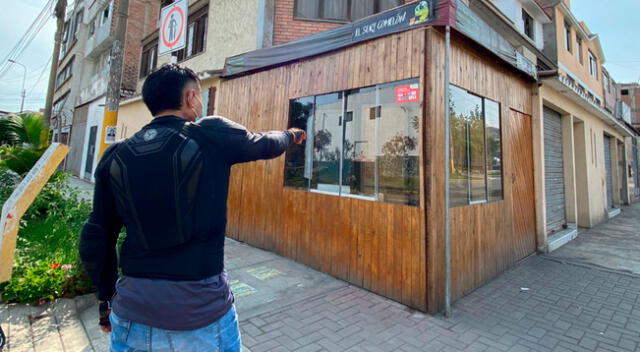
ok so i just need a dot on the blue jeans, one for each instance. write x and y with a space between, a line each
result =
221 336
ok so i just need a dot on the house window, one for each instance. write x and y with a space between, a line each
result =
58 105
340 10
624 92
64 74
593 65
579 49
66 33
105 15
92 27
476 149
149 60
528 24
362 143
567 36
605 82
77 23
196 35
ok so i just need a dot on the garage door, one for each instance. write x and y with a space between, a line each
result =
609 168
554 171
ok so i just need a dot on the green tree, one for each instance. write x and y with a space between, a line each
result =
23 139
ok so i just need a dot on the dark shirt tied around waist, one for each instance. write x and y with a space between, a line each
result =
173 305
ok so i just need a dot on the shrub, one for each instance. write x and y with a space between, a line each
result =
47 263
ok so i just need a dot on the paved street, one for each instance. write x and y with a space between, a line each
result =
540 305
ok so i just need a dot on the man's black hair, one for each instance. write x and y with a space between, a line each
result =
163 88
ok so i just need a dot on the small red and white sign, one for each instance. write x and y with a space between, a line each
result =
173 27
407 93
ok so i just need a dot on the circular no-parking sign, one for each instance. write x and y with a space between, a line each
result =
172 31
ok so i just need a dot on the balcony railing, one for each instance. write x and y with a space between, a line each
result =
100 39
623 111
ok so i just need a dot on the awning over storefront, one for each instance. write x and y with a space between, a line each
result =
454 13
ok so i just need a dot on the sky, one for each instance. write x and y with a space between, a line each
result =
619 32
616 25
15 18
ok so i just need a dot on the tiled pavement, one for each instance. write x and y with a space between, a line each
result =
541 305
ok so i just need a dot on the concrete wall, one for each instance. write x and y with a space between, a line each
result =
132 116
513 10
570 60
583 134
232 30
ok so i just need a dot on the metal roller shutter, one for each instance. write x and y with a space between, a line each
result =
554 171
609 168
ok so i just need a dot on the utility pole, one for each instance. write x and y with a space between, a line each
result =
110 118
24 78
61 8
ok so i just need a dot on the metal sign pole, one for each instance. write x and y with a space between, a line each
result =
447 228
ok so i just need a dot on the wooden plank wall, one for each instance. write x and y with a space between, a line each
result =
375 245
482 236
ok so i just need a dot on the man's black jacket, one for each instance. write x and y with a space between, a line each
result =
168 185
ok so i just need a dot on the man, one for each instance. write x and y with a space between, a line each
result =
167 185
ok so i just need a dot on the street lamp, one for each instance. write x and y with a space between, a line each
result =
24 78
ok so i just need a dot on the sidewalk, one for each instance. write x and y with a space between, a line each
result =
284 306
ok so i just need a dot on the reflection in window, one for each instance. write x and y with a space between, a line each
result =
362 143
476 157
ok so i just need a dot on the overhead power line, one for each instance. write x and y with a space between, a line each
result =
24 42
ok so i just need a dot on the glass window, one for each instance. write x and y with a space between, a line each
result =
593 65
341 10
476 156
528 24
298 167
398 143
567 36
76 25
196 35
361 143
327 143
149 59
359 149
494 150
579 49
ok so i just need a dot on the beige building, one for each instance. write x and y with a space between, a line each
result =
580 147
216 30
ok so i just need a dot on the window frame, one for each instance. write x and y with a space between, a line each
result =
469 200
63 100
199 18
78 19
342 96
67 72
147 50
567 37
377 5
593 64
531 22
579 49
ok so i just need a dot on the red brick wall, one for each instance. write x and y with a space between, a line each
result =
143 19
286 28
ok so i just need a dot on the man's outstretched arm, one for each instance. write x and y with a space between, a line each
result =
244 145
